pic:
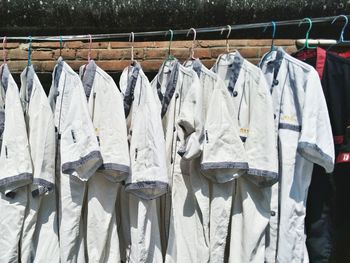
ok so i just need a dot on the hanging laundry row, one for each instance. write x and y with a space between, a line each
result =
198 165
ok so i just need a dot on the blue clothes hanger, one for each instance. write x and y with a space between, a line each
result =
273 47
61 45
341 37
170 56
306 44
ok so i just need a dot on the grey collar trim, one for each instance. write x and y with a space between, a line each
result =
57 73
129 92
2 122
30 80
197 66
88 77
5 76
170 86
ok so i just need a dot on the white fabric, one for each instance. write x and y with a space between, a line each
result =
78 157
305 137
148 179
40 230
253 107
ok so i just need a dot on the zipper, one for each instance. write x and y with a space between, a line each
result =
93 106
136 154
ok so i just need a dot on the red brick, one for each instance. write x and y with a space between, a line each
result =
180 53
259 42
291 50
76 64
119 44
215 52
41 55
151 53
110 65
19 54
17 66
249 52
74 44
95 45
83 54
284 42
151 65
202 53
222 43
11 45
45 44
67 54
120 54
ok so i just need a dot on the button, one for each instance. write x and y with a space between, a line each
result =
176 95
235 93
174 129
273 213
132 97
274 116
275 82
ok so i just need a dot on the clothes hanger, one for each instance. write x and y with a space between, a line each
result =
306 44
341 37
61 45
273 47
4 45
227 37
170 56
90 44
132 38
191 50
29 51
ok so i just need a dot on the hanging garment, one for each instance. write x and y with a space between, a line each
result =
39 241
179 94
148 179
213 186
78 157
251 103
16 168
106 110
305 137
334 71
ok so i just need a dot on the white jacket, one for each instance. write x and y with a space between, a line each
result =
105 105
15 162
79 150
148 178
41 132
305 137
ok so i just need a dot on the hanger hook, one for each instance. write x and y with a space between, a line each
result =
4 45
61 45
29 50
132 39
228 35
306 19
274 26
341 37
90 45
171 38
194 39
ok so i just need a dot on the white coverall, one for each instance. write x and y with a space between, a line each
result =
148 179
16 168
252 103
305 137
78 157
39 241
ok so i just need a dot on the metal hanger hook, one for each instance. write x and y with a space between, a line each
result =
341 37
61 45
306 19
229 31
4 44
29 50
274 26
194 39
132 39
171 38
90 45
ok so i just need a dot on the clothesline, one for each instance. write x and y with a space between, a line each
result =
163 32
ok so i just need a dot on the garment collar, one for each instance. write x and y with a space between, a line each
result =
88 75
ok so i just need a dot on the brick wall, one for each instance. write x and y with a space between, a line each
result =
115 56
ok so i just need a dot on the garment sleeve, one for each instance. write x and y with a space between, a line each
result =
261 142
111 131
190 124
316 139
15 161
223 157
80 152
149 177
